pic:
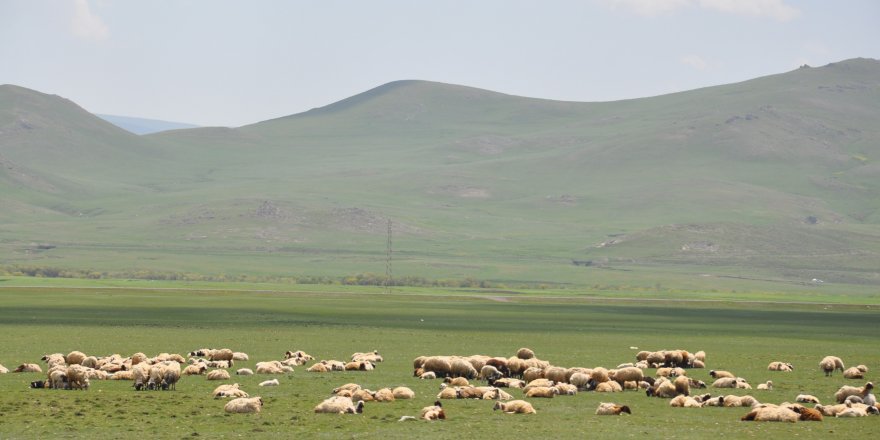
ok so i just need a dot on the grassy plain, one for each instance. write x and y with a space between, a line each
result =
568 328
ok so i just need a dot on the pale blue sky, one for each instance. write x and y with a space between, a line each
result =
218 62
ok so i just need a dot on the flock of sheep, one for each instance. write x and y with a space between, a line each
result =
532 377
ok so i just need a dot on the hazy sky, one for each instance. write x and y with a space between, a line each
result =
217 62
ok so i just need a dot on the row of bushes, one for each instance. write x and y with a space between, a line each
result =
364 279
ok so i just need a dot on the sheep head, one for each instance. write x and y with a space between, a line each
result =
625 409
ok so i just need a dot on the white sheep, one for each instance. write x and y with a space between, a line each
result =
340 405
244 372
403 393
806 398
428 375
772 414
3 370
853 373
244 405
434 412
545 392
515 407
229 390
217 375
195 370
28 368
846 391
239 356
830 363
269 383
682 401
780 366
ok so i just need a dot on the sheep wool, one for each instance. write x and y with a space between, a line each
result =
217 375
612 409
830 363
515 407
434 412
772 414
269 383
339 405
403 393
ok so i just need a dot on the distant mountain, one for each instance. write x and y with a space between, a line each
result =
143 125
774 178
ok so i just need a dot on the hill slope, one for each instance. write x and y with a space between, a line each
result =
143 125
773 178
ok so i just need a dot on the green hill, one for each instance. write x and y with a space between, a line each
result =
770 179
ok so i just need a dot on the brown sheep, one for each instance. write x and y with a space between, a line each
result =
612 409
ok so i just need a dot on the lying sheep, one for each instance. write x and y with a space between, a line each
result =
239 356
808 414
228 390
384 395
298 354
514 407
806 398
271 367
448 393
339 405
612 409
566 389
490 373
830 363
718 374
317 368
780 366
856 410
269 383
434 412
627 374
846 391
456 381
507 382
765 386
428 375
122 375
364 394
28 368
726 382
217 375
244 405
244 372
403 393
195 370
682 401
545 392
371 357
608 387
772 414
349 386
853 373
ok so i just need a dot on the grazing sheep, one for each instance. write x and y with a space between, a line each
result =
765 386
780 366
170 376
853 373
217 375
77 377
269 383
682 385
489 373
244 372
611 409
546 392
806 398
244 405
525 353
514 407
403 393
28 368
846 391
580 380
434 412
627 374
772 414
440 365
462 368
340 405
718 374
830 363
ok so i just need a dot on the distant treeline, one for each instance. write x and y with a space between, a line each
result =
363 279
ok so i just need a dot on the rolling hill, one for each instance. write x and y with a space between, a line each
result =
773 179
143 125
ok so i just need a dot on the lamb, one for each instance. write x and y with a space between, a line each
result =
780 366
28 368
830 363
428 375
806 398
766 385
542 392
244 372
612 409
403 393
525 353
339 405
244 405
718 374
772 414
853 373
269 383
434 412
514 407
195 370
217 375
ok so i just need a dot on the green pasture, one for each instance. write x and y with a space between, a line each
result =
331 322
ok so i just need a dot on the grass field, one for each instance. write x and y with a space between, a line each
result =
331 322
